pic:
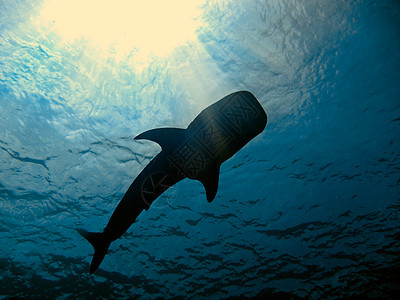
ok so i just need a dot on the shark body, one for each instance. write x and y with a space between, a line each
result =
196 152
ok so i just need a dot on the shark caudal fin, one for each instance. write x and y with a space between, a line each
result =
100 245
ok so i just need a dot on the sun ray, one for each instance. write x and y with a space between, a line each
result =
153 27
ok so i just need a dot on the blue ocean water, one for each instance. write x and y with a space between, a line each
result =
308 209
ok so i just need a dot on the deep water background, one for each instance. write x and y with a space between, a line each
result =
310 208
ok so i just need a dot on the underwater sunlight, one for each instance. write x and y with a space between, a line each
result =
304 206
151 27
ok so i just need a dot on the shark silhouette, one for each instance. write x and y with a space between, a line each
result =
196 152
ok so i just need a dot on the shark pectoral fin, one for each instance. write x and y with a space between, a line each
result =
167 138
210 181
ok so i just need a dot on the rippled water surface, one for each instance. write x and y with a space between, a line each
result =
308 209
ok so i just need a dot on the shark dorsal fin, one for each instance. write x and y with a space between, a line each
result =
168 138
210 181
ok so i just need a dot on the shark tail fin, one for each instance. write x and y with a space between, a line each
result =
100 245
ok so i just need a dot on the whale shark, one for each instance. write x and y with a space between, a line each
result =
197 152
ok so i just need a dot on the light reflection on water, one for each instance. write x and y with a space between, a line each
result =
310 208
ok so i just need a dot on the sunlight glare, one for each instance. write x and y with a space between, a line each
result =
150 26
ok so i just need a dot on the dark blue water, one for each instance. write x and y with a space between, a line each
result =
308 209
